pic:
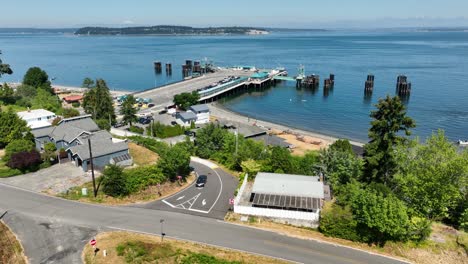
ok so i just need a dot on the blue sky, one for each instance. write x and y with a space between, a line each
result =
274 13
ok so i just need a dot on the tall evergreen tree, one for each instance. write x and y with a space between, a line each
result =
97 101
37 78
389 120
128 110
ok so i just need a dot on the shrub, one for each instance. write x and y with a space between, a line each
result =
136 129
200 258
25 160
176 161
76 104
419 229
16 146
164 131
56 121
139 178
70 112
103 124
152 144
114 182
338 221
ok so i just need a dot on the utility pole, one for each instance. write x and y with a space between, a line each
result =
162 230
92 165
237 138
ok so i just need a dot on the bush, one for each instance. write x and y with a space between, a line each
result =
419 229
25 160
16 146
152 144
139 178
163 131
175 162
70 112
103 124
136 129
200 258
338 221
76 104
114 182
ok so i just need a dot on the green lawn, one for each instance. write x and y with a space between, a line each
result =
5 171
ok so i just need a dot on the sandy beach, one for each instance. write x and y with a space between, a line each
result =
307 139
73 89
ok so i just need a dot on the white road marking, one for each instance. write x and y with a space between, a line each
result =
204 202
182 197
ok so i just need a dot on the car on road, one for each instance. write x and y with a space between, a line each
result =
201 181
119 124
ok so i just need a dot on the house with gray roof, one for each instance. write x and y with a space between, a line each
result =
72 135
185 118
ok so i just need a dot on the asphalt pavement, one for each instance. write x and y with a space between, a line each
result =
212 200
177 225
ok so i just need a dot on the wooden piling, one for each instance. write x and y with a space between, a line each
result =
403 87
369 85
157 67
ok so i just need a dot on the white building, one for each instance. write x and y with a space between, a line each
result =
38 118
296 198
198 114
202 112
186 118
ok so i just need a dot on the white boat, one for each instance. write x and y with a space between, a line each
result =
463 142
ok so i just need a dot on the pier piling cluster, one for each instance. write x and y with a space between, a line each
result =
403 87
330 82
369 86
311 81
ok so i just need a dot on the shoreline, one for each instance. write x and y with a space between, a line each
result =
75 89
220 111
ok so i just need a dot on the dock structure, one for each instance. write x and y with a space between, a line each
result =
210 86
403 87
329 83
369 85
157 67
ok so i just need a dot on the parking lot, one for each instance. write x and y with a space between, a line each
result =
212 200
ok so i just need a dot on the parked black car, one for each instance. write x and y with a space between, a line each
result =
144 120
119 124
201 181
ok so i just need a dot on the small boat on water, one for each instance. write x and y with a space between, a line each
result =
463 142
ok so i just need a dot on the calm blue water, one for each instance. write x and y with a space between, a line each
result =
436 63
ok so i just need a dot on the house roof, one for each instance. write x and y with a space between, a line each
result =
200 108
34 114
101 145
187 116
68 129
288 184
39 124
73 98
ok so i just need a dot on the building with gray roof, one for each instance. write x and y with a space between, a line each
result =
288 192
72 135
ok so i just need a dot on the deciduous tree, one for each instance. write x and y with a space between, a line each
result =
38 78
11 127
175 162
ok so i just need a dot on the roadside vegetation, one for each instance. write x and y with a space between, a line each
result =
164 131
161 173
185 100
11 251
123 247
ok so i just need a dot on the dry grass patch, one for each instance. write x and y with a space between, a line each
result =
124 247
147 195
141 155
441 248
11 251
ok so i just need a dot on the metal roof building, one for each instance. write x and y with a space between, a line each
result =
288 192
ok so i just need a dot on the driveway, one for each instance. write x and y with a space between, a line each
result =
210 201
53 180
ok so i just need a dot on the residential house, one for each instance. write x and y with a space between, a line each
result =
186 118
202 113
72 135
37 118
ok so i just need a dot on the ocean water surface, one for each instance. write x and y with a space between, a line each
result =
435 62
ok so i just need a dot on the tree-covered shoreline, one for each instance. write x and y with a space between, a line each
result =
167 30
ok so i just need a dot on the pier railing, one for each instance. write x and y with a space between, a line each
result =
222 87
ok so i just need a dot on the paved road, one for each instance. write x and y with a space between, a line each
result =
177 225
209 201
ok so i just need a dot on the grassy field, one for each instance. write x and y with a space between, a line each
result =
141 155
124 247
149 194
446 245
11 251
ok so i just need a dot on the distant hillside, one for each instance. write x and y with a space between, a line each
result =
37 30
169 30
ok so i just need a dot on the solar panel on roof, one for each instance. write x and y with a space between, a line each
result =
286 202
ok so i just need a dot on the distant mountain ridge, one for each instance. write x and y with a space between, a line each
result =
169 30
